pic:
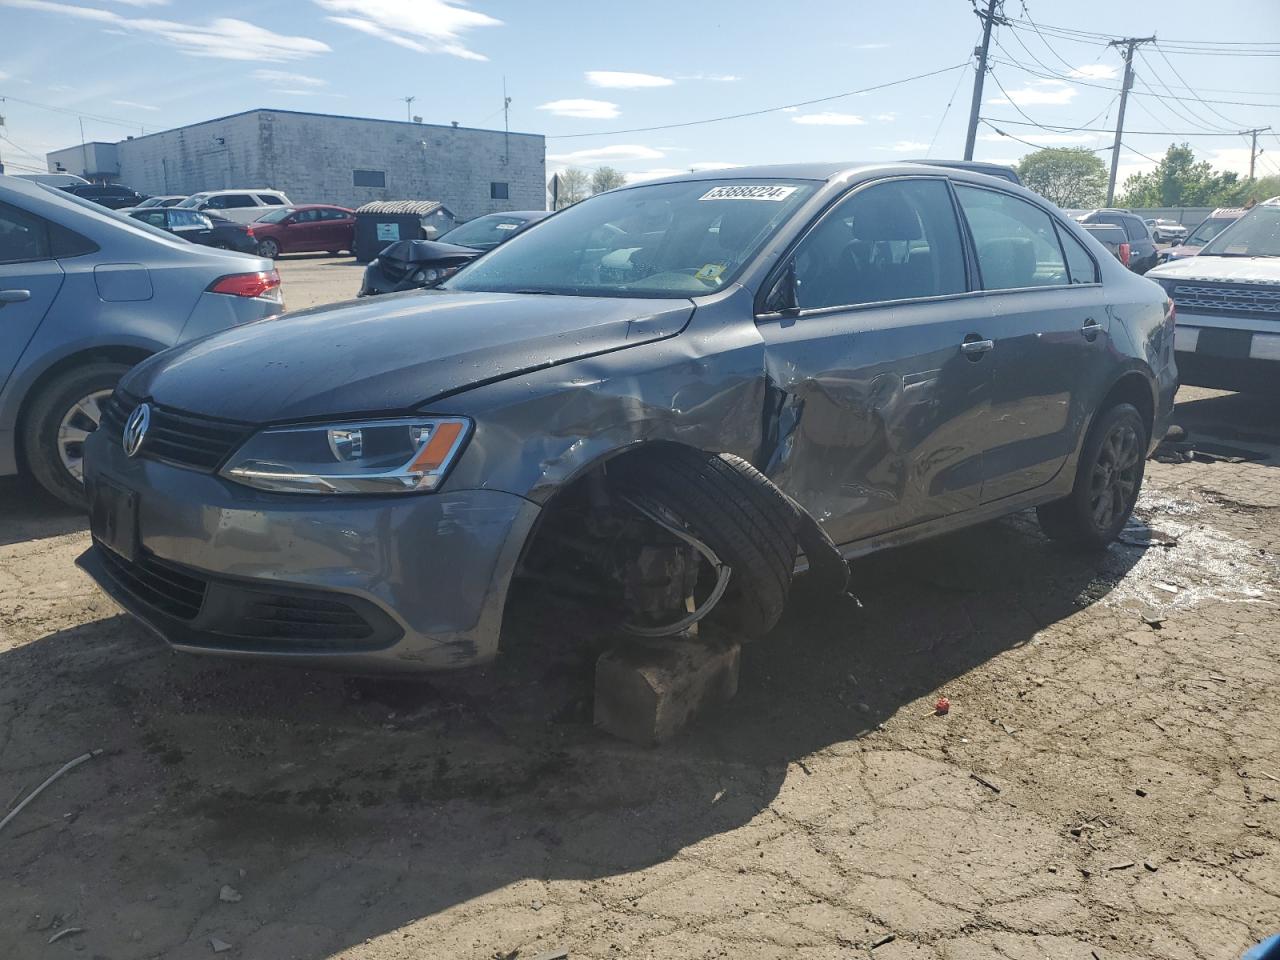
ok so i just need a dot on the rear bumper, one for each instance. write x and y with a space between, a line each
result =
405 583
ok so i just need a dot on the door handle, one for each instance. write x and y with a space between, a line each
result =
975 348
14 296
1091 329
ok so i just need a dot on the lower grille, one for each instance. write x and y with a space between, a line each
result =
157 584
282 617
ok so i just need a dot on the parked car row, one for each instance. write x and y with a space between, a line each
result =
314 227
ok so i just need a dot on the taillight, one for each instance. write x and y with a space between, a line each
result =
248 231
264 284
1124 254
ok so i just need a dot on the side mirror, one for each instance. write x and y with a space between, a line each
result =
785 296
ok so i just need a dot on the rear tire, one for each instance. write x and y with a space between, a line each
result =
1108 481
268 248
734 509
52 422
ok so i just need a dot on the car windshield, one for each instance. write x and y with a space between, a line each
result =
194 200
276 215
1256 234
1209 228
483 233
664 240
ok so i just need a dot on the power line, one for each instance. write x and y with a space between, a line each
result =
1051 75
756 113
75 113
947 110
1194 93
1270 48
989 20
1051 128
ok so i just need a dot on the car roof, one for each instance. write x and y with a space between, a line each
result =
319 206
832 170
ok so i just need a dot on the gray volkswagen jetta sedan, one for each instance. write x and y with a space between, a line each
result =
671 397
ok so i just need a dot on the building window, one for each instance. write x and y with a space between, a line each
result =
369 178
498 191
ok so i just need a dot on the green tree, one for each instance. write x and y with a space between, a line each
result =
1264 188
574 186
1069 176
606 178
1180 181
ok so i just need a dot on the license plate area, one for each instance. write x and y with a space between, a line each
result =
113 518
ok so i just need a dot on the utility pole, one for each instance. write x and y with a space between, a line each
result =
988 19
1253 149
408 105
1128 45
506 123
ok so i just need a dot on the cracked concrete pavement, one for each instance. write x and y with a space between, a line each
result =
1129 807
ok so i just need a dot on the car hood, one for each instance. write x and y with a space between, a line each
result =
1202 267
393 352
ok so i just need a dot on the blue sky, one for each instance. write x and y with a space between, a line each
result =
576 68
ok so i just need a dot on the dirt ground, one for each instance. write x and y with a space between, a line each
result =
1103 787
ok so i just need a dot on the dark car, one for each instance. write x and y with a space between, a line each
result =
664 394
110 195
1143 254
230 234
1113 238
304 229
413 264
187 224
1204 231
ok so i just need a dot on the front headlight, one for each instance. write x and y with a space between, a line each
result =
405 455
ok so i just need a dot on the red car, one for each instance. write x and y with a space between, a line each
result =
303 229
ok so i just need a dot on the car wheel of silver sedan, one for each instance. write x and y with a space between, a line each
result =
63 413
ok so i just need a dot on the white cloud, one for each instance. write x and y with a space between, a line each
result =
297 80
223 38
618 153
1095 71
3 75
620 80
1038 93
829 119
906 146
712 77
885 117
134 105
656 173
424 26
582 109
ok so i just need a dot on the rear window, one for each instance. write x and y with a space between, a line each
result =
271 200
1135 228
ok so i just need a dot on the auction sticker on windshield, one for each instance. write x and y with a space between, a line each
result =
763 191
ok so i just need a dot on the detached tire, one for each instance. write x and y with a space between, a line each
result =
732 508
46 416
1108 481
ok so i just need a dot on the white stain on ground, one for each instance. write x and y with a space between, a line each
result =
1171 557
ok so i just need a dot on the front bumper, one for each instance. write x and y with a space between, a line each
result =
1216 352
224 569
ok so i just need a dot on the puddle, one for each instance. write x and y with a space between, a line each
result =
1203 564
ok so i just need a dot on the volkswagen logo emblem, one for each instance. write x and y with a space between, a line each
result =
135 429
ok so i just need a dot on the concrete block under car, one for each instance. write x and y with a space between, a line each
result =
647 691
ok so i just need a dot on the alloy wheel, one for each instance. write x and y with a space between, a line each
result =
80 420
1113 484
268 248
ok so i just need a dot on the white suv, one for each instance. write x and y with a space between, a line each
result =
243 206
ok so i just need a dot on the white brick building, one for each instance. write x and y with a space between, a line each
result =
321 158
